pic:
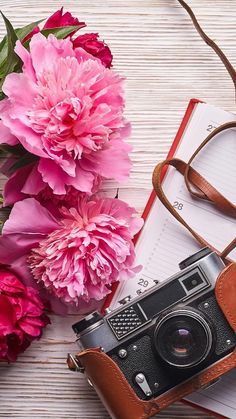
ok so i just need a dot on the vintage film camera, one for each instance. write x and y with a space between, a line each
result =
168 334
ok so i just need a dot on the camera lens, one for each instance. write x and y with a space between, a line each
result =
181 341
183 338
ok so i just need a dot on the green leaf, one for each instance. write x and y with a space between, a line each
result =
3 48
12 65
23 161
12 58
21 34
62 32
11 34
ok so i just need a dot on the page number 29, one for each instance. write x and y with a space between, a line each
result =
178 205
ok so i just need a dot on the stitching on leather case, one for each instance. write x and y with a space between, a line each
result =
220 288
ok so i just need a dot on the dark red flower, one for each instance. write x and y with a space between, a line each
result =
90 43
22 316
29 36
57 20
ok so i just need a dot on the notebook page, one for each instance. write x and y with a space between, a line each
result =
220 398
163 242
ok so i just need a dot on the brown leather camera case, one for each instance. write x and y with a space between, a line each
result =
116 393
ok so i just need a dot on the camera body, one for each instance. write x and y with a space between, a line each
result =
168 334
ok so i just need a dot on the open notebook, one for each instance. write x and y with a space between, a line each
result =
163 243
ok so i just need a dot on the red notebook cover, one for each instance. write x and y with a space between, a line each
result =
185 120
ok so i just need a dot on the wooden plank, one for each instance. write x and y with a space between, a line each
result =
166 64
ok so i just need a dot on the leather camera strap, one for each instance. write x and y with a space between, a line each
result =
210 42
202 188
198 187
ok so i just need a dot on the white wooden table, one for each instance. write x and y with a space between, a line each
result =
165 62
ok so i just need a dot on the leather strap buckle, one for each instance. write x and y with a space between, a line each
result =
74 364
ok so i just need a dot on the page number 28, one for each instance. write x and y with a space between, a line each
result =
178 205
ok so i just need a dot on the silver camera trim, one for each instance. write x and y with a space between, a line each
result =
101 334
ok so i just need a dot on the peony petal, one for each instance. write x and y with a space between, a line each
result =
30 329
90 43
135 225
58 19
7 316
83 180
56 178
29 217
46 51
53 175
110 162
34 183
9 283
13 187
15 246
83 55
54 20
30 140
24 55
19 266
6 137
28 223
29 36
15 84
26 307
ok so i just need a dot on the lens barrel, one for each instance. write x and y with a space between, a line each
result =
183 338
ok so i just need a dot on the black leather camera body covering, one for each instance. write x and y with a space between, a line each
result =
142 356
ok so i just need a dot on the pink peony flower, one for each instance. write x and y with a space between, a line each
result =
14 188
22 317
57 20
90 43
66 109
78 254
